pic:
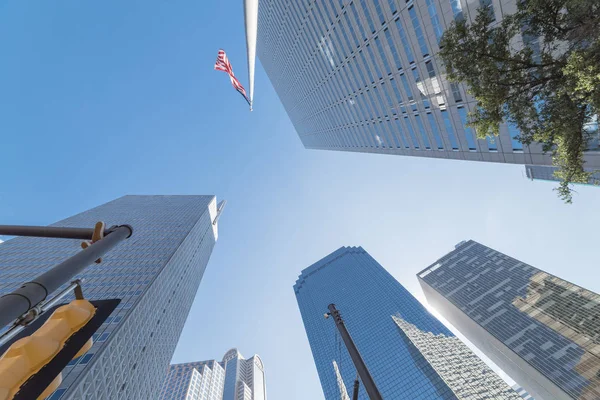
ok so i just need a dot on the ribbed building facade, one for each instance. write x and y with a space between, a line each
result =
363 76
409 353
155 273
543 331
465 373
233 378
522 392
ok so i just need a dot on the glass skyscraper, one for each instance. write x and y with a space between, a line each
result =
363 76
409 353
233 378
543 331
156 273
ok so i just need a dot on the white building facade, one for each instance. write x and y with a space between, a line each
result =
466 375
233 378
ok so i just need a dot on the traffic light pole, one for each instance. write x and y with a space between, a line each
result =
49 232
360 365
356 387
31 294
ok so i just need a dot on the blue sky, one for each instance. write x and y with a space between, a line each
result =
102 99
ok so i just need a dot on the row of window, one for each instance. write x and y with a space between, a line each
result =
335 38
375 134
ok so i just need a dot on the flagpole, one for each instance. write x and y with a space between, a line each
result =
251 21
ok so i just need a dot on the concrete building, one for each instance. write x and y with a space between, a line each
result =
155 273
543 331
409 353
363 76
233 378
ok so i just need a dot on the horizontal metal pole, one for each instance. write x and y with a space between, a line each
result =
53 301
48 231
30 294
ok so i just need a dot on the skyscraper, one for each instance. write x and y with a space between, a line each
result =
543 331
409 353
363 76
233 378
156 273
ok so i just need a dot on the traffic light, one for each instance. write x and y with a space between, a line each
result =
25 357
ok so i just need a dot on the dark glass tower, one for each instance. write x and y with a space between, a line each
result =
541 330
156 273
407 350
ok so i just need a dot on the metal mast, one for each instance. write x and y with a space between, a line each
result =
359 363
251 20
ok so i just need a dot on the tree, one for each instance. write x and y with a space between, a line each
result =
538 69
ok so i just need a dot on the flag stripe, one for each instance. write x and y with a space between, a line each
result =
224 65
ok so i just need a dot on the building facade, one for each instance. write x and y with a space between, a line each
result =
233 378
409 353
155 273
465 373
543 331
522 392
363 76
546 173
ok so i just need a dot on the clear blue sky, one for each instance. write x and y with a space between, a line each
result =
104 98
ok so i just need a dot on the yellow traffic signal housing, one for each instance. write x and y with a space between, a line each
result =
25 357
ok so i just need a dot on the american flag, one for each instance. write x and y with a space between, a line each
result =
224 65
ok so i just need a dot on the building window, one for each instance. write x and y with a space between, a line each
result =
393 7
423 132
491 142
375 63
435 130
392 47
513 131
457 10
468 131
351 29
404 40
103 337
418 31
357 20
401 134
406 87
57 395
449 129
391 104
365 9
379 11
394 135
421 87
386 64
456 92
411 132
73 362
86 358
435 20
396 90
360 72
366 66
